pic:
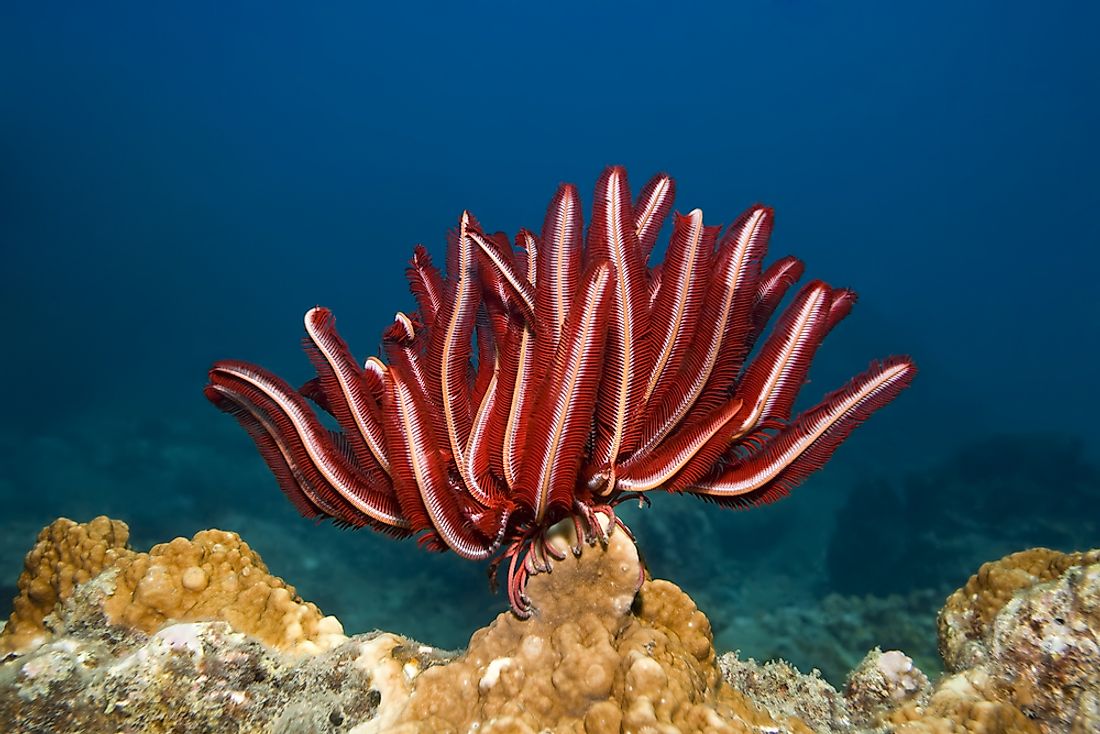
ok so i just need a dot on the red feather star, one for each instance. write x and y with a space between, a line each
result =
553 378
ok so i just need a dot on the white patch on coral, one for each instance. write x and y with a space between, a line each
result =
492 673
531 647
388 676
35 667
184 637
897 668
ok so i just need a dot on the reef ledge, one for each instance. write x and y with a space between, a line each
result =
197 635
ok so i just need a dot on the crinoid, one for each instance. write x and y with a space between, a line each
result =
555 377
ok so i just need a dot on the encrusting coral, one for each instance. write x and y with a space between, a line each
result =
967 615
604 650
1044 648
213 576
777 686
1023 637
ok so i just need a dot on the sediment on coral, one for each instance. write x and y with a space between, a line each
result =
780 688
605 650
196 677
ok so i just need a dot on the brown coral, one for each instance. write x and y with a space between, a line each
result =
1022 636
965 703
66 554
1044 648
216 576
597 656
213 576
594 659
966 617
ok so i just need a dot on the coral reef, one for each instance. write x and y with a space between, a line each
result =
777 686
599 654
965 702
604 650
1023 639
213 576
596 657
965 622
66 554
1031 622
1045 648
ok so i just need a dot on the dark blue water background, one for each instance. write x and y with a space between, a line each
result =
180 183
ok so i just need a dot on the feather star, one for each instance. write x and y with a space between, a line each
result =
551 378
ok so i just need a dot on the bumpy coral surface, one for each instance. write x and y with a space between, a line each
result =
66 554
1024 632
213 576
602 652
966 617
594 658
964 703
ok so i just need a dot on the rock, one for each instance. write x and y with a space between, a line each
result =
883 681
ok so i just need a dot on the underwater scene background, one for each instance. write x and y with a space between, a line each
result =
179 185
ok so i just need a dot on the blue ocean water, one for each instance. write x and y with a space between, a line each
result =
178 184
